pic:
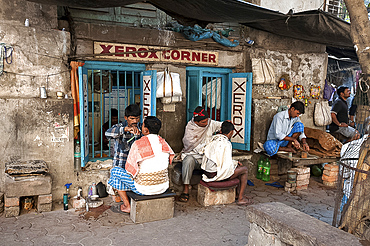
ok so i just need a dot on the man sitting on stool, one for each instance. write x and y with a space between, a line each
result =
146 170
218 164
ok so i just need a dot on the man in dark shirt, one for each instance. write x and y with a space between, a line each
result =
339 115
106 126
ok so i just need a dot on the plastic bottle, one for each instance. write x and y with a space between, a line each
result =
77 161
260 168
266 170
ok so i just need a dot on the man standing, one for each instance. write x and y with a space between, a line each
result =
339 115
285 130
125 134
146 171
198 132
218 164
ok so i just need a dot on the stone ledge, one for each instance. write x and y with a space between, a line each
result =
293 227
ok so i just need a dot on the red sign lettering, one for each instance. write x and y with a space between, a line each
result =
185 55
212 58
175 54
165 56
146 85
204 57
106 48
153 55
195 56
143 54
119 49
129 49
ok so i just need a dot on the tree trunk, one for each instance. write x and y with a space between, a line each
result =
360 32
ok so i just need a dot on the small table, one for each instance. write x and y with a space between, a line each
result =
285 162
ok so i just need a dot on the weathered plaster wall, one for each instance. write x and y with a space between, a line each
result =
285 5
304 62
31 127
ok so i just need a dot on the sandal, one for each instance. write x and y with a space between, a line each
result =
184 197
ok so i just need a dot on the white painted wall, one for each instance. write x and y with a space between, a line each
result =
284 6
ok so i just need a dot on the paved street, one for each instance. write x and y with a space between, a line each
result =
191 225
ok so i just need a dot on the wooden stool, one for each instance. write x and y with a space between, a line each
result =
217 192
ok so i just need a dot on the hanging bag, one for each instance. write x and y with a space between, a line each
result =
168 84
263 71
322 115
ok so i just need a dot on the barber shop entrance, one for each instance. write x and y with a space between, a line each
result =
107 88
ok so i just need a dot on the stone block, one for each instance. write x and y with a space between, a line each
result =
47 207
290 185
292 189
11 211
330 173
303 176
301 170
302 187
206 197
152 210
42 199
277 224
329 178
331 167
28 186
330 184
11 201
303 182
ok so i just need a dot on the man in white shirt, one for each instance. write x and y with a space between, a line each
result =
218 164
285 130
198 132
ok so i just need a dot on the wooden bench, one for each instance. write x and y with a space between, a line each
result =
151 208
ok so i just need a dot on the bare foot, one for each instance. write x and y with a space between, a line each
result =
125 209
244 201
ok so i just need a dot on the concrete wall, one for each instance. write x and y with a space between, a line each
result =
297 5
31 127
304 62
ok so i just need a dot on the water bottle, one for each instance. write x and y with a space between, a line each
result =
259 168
77 161
266 170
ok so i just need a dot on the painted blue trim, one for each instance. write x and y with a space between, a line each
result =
121 66
82 121
248 109
210 69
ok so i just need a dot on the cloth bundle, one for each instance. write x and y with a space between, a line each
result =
321 143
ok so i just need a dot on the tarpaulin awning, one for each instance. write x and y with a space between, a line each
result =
314 26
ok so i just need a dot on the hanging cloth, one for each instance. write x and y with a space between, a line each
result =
76 96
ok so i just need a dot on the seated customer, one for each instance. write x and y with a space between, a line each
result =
146 170
340 120
218 164
285 130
